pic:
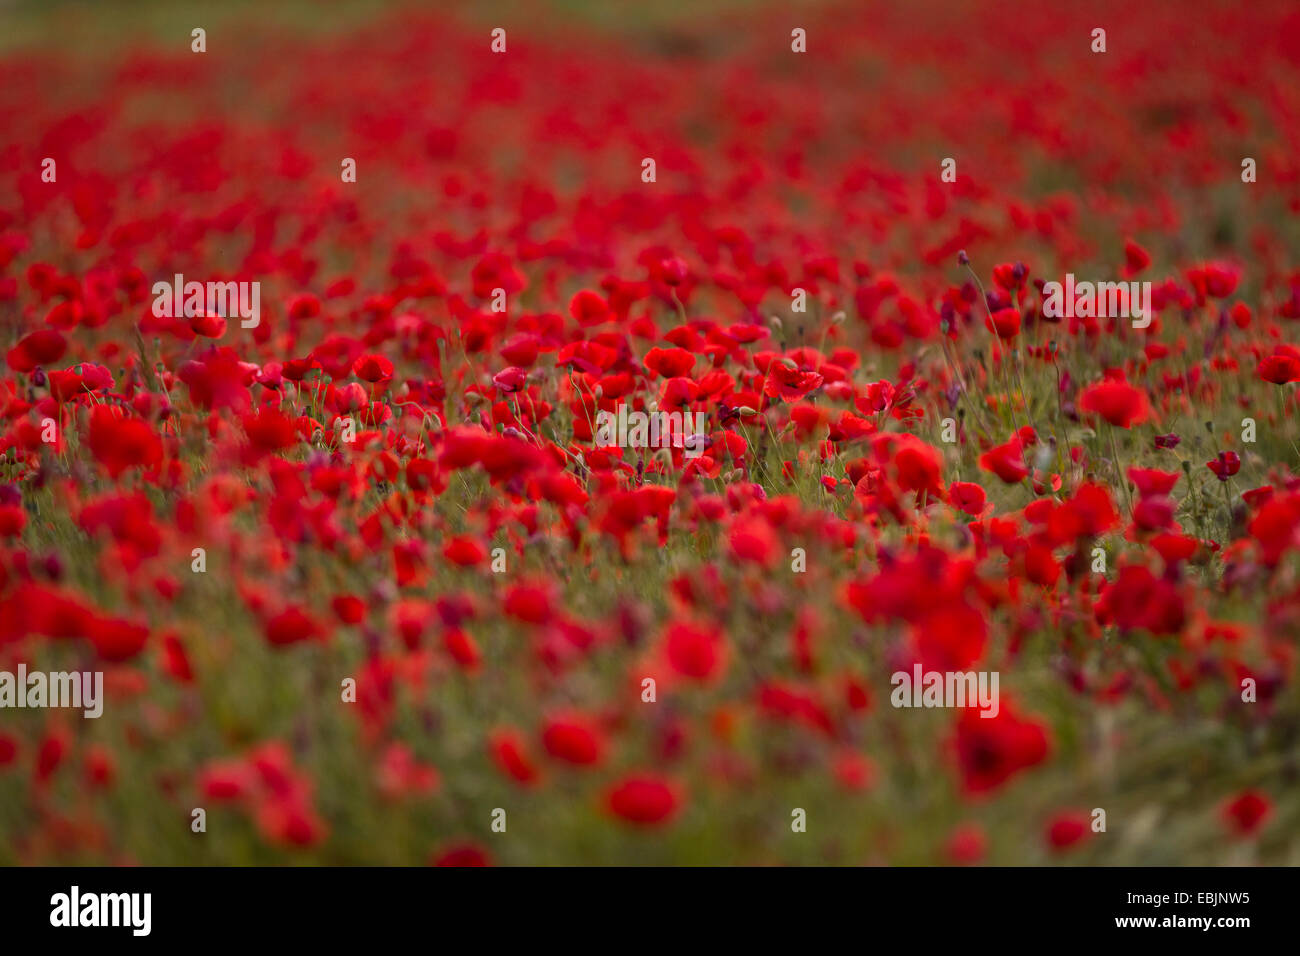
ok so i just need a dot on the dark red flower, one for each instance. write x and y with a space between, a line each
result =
1225 466
1246 813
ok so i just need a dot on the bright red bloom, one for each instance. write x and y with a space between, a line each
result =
1121 404
510 754
1279 368
270 431
968 497
694 651
1137 599
670 363
1007 461
372 368
464 550
41 348
292 626
1005 323
121 443
1067 830
992 750
573 739
753 541
643 800
589 308
790 384
12 520
1136 259
510 380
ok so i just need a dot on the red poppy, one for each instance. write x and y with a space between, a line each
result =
1136 259
1227 464
643 800
1007 461
1247 813
589 308
510 754
462 854
992 750
372 368
1067 830
968 497
694 651
41 348
1121 404
574 740
1279 368
120 443
669 363
1005 323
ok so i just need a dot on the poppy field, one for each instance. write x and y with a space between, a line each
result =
572 435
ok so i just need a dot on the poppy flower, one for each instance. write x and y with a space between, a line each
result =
462 854
208 326
41 348
669 363
992 750
588 308
12 521
1246 813
510 753
1137 599
753 541
119 443
968 497
291 626
1121 404
1005 323
790 384
1065 831
1227 464
642 800
1006 461
1279 368
372 368
269 431
966 844
510 380
574 740
693 651
1136 259
464 551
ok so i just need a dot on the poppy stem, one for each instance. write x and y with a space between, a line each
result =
1119 467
